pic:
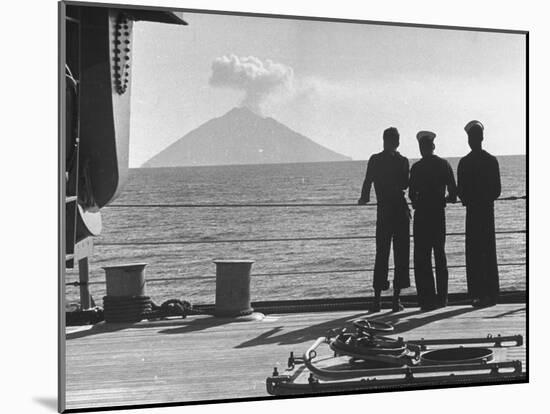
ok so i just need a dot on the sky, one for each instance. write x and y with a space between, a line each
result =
339 84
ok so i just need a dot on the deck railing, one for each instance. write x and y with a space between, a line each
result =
268 240
270 205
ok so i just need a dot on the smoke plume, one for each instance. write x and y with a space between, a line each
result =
261 81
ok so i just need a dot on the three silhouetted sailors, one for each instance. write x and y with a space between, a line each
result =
431 187
478 188
430 178
389 171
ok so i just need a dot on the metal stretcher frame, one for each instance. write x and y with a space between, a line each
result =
398 377
285 385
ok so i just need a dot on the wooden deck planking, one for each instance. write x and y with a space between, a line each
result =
204 358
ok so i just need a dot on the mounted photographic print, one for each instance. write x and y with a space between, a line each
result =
264 206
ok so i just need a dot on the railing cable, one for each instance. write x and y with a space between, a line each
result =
273 205
296 273
267 240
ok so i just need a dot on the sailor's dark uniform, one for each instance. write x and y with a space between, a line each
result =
478 187
430 177
390 172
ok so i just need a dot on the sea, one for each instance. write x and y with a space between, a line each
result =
279 266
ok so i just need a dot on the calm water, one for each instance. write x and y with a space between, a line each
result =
292 183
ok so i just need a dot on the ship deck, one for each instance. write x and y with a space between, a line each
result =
205 358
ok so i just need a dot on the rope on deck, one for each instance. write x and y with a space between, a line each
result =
271 205
282 239
312 272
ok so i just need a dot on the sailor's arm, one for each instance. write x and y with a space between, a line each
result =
461 187
405 174
413 195
451 185
367 184
496 185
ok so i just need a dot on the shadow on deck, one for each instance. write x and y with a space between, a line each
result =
402 322
205 358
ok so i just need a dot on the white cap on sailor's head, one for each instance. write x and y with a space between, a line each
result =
472 124
425 136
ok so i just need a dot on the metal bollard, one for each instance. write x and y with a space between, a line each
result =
233 288
125 301
125 280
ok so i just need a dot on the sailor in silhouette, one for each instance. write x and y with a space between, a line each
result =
389 172
431 178
478 188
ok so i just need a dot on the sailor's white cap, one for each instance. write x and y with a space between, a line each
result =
471 124
425 135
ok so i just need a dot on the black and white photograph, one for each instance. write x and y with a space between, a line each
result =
262 206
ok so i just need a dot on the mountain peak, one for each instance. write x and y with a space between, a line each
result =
242 137
242 111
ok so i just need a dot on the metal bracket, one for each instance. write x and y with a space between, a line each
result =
312 380
294 360
272 382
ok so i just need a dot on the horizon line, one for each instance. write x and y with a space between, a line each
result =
141 167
